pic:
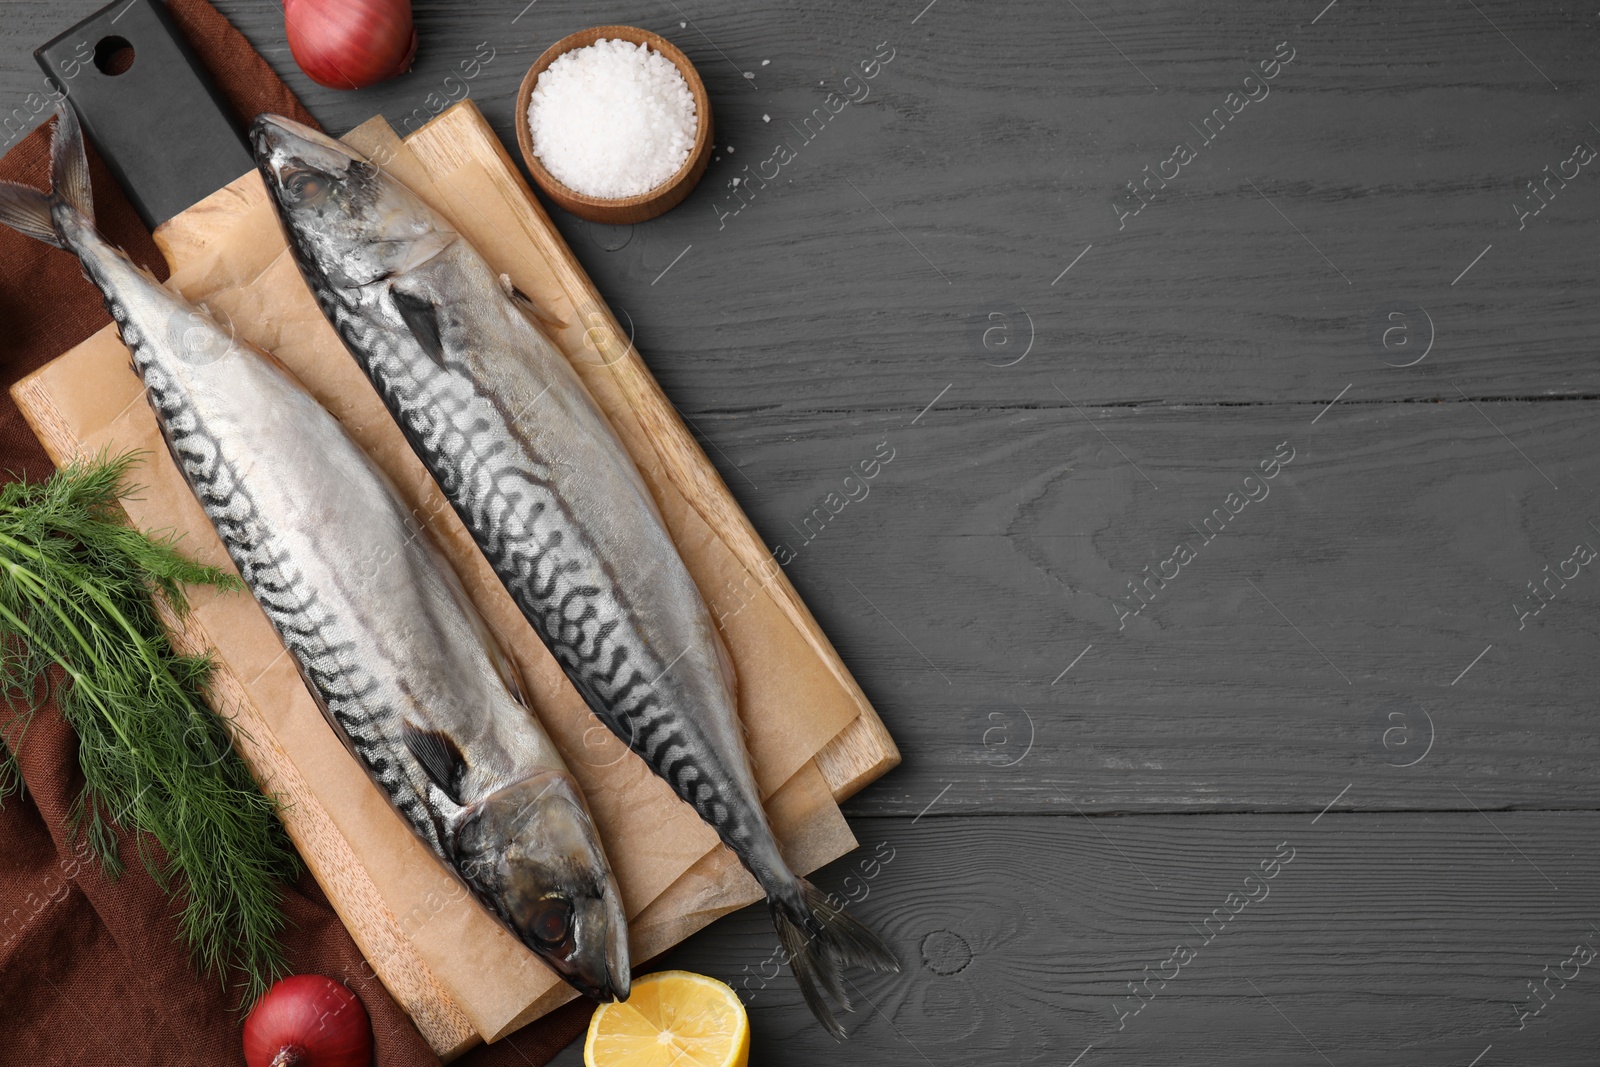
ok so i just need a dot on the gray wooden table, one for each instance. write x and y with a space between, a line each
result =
1229 590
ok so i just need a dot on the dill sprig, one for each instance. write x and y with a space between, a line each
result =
77 589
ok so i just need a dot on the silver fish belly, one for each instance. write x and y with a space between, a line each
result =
398 659
540 478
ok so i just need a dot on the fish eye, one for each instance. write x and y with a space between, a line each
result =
552 921
305 186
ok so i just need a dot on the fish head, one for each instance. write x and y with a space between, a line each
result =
348 222
531 849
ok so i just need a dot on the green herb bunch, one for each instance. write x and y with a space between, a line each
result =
77 589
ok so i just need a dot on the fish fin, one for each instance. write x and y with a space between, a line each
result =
506 668
821 940
440 758
525 302
422 319
513 292
69 164
28 210
724 661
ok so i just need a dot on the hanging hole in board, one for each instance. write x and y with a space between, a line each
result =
113 56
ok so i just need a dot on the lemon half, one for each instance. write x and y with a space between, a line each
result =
671 1019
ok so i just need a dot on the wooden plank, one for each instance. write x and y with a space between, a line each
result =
1208 295
1385 940
994 549
996 141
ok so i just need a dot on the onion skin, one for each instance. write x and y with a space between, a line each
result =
350 44
308 1021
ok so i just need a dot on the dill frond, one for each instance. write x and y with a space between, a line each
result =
78 621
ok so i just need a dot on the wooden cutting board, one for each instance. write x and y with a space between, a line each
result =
792 682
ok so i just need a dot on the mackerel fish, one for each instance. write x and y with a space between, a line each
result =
402 666
539 476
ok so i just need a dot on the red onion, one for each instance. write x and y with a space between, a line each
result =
350 44
308 1021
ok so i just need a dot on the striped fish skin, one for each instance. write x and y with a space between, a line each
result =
401 665
540 478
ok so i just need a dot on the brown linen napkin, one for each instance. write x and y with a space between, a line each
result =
91 970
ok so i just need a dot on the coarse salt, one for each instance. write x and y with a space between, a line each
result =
612 120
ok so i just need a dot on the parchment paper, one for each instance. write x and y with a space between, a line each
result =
673 874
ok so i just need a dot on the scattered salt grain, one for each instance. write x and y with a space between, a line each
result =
766 118
764 62
612 120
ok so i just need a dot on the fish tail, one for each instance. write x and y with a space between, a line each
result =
820 941
27 210
34 213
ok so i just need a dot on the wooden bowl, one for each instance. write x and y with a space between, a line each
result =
619 211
